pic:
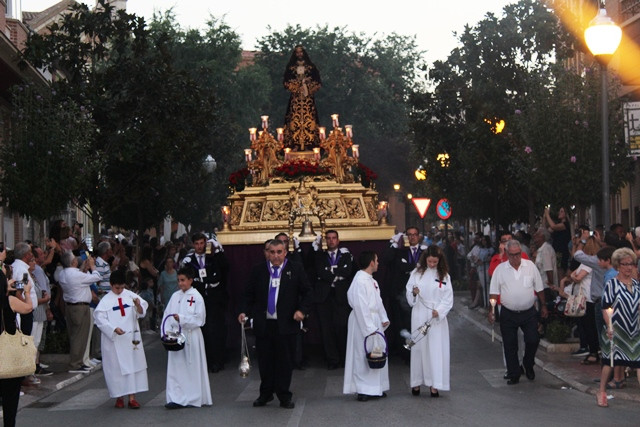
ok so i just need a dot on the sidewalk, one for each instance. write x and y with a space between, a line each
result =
556 359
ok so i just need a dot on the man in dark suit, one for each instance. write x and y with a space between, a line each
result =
334 268
211 283
277 297
400 262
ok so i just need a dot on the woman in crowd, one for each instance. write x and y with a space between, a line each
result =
10 305
480 256
621 298
581 276
168 281
560 235
430 295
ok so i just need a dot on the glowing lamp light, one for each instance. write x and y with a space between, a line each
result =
421 174
409 196
334 119
265 122
602 35
252 134
323 133
443 158
396 187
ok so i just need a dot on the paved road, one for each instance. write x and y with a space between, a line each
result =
479 397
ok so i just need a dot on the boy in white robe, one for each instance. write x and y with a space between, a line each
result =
187 376
367 318
123 358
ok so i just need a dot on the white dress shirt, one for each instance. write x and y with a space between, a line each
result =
75 284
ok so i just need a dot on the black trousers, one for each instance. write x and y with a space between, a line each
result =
26 323
275 355
333 319
214 332
10 393
510 321
588 323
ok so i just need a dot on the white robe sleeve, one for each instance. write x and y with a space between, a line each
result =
411 283
362 311
193 319
444 305
101 318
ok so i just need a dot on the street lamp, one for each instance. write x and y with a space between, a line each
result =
420 173
603 37
210 164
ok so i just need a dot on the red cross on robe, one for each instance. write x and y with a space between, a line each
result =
191 301
121 307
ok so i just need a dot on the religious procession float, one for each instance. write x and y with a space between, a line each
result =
302 180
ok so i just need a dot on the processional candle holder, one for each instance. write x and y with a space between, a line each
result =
610 316
493 302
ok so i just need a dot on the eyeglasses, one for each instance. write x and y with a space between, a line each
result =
514 254
627 264
504 240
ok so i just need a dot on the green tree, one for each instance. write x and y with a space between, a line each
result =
154 124
367 81
41 159
508 68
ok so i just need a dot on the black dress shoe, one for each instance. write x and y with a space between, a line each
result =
173 405
363 397
434 393
415 391
513 381
506 375
262 401
287 404
531 375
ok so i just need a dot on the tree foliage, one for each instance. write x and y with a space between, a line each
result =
510 68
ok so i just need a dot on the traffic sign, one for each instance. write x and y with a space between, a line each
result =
421 204
443 209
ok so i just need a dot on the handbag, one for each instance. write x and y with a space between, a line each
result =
17 353
576 305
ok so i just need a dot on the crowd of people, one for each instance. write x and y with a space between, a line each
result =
104 301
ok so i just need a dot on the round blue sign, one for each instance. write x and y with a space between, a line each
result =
443 209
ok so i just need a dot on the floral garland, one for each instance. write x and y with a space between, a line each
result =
365 173
238 176
299 167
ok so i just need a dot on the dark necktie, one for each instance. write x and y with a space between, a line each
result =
333 258
414 257
271 302
200 261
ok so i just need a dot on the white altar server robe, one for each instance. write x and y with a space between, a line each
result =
125 369
367 317
430 357
187 376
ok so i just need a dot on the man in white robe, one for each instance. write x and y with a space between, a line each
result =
123 358
366 319
187 377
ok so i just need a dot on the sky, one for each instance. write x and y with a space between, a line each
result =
432 22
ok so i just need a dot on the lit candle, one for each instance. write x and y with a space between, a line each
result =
610 315
349 130
280 133
323 133
225 213
355 148
265 122
260 132
493 302
252 134
316 153
286 153
247 154
334 118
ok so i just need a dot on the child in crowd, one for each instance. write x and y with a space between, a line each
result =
187 377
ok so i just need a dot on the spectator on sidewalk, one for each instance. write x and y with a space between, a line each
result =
43 283
76 290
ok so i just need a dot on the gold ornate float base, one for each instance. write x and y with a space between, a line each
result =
258 213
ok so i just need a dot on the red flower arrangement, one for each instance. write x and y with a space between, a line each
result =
299 167
238 177
366 174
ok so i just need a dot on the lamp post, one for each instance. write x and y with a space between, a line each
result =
210 166
603 37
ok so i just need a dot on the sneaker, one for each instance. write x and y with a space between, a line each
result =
42 365
43 372
95 361
81 370
581 352
30 380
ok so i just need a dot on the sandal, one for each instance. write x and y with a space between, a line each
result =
591 359
613 384
601 399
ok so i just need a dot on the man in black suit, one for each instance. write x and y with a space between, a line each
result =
277 297
211 283
334 268
400 262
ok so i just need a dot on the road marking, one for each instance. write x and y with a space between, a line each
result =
250 392
494 377
88 399
296 416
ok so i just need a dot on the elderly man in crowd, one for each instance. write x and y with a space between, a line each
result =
515 282
76 290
